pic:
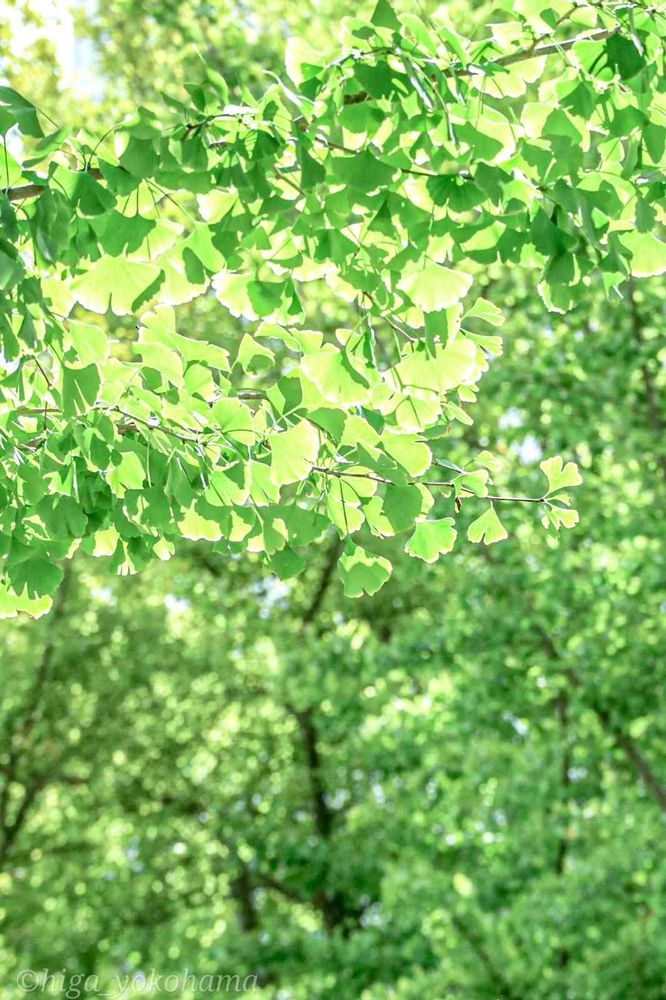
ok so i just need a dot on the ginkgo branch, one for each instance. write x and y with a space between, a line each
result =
33 190
448 484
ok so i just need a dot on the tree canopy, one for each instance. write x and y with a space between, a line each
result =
451 788
389 177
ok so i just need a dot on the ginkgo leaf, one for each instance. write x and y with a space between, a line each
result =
235 420
408 451
196 527
253 356
168 363
286 563
36 577
560 476
342 515
401 505
648 254
293 453
79 389
476 482
90 342
487 528
114 283
362 172
336 378
487 311
432 539
362 572
300 59
13 604
438 371
436 287
228 486
559 517
199 381
232 291
128 474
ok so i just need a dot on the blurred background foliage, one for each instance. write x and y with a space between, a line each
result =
456 789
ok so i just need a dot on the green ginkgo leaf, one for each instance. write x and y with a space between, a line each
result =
436 287
362 572
13 604
488 528
648 254
128 474
80 387
196 527
235 420
286 563
401 506
90 342
232 290
559 517
114 283
408 451
36 576
560 476
336 378
445 368
253 356
362 172
293 453
432 539
19 110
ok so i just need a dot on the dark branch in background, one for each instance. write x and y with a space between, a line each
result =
655 418
562 710
271 882
19 730
622 740
500 984
634 756
330 562
323 817
242 891
334 908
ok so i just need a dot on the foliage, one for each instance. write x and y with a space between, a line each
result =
452 787
396 173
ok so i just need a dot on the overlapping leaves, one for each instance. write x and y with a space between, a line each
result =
396 175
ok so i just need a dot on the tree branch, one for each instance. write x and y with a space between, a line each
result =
537 51
17 734
495 974
323 817
330 563
242 891
24 191
285 890
562 710
442 483
651 397
622 740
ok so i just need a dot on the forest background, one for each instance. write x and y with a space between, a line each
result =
452 789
